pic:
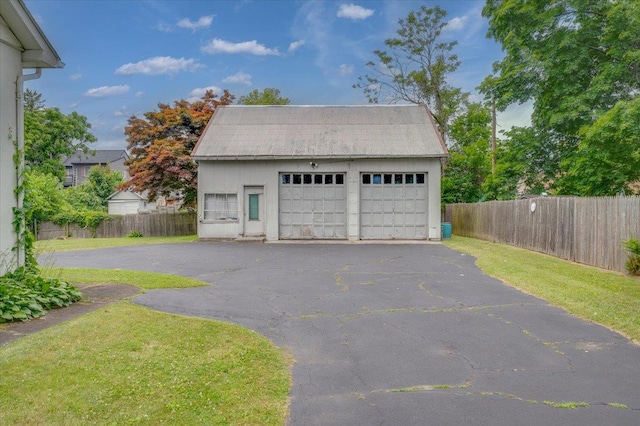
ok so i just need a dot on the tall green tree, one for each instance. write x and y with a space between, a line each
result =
160 146
32 100
415 66
51 135
608 158
517 166
268 96
579 62
44 196
103 182
469 162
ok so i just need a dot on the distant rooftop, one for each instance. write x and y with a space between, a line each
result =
98 156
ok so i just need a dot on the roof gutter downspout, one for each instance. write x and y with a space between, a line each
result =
20 255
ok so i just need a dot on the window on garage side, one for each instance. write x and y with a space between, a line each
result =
254 207
220 206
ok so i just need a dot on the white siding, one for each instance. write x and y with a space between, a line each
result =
123 207
233 176
10 68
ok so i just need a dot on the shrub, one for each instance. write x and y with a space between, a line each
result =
86 218
633 262
134 234
24 295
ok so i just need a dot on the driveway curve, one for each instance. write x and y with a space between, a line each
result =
393 334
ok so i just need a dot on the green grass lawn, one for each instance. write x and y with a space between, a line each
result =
126 364
608 298
46 246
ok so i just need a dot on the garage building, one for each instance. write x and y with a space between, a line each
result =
320 172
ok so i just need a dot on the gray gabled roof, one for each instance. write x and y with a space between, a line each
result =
289 132
98 156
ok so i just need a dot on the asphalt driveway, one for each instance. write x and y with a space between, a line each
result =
399 334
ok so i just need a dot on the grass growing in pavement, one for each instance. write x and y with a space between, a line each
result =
608 298
126 364
144 280
96 243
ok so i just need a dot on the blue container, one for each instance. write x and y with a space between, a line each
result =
446 230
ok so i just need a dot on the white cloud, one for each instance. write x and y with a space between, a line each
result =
354 12
203 22
159 65
104 91
295 45
252 47
120 112
238 77
457 23
346 69
163 26
75 77
197 94
472 24
139 94
313 23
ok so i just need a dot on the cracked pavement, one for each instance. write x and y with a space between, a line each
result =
392 334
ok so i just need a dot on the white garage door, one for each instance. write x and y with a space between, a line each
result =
393 206
313 205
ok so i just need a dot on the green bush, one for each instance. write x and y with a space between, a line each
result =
134 234
633 262
25 294
86 218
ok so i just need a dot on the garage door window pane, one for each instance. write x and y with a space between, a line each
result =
377 179
220 207
366 179
387 179
398 179
420 178
297 179
408 178
317 179
328 179
307 179
339 179
286 179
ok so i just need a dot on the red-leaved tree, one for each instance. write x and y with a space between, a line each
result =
160 146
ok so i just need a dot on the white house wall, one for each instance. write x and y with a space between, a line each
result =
10 68
231 177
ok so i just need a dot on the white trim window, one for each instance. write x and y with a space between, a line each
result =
220 207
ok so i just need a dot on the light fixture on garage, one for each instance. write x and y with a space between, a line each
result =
313 165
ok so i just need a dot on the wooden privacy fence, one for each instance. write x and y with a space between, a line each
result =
149 225
585 230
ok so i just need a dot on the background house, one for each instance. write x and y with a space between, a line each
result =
22 45
323 172
129 202
77 166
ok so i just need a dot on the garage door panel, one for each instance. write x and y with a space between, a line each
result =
312 205
393 206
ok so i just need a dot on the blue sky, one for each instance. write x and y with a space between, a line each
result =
124 57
